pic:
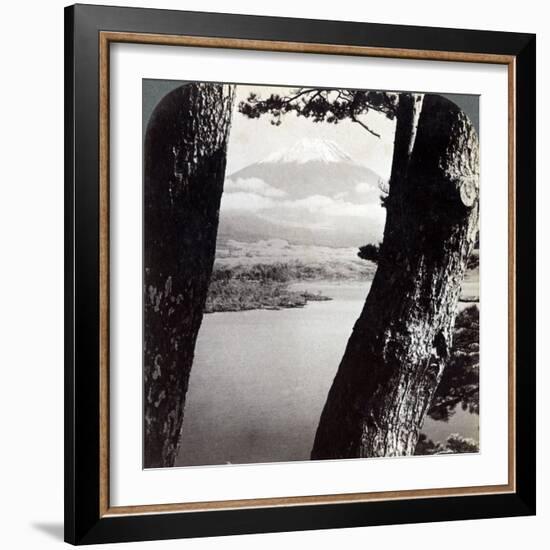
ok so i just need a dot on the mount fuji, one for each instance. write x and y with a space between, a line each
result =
311 167
312 192
307 150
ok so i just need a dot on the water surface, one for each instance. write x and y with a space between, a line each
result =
260 380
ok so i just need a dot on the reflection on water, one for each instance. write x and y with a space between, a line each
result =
260 380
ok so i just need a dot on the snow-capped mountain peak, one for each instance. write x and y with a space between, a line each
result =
308 150
309 167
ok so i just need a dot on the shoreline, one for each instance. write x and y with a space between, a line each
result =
237 295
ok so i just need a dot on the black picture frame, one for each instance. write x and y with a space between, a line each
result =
84 523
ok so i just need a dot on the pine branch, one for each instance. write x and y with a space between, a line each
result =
355 119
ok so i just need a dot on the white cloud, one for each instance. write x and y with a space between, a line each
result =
366 211
314 213
250 202
368 192
313 204
364 188
253 185
327 206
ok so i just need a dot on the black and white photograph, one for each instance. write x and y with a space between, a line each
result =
274 275
310 274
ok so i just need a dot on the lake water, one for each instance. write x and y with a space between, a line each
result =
260 380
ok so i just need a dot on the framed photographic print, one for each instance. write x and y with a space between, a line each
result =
299 274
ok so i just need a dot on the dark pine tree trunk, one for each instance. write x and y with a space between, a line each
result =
184 169
399 345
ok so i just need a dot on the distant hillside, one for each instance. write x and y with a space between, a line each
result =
301 261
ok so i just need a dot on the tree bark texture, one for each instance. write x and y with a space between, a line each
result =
398 349
184 169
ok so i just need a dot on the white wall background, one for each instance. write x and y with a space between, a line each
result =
31 273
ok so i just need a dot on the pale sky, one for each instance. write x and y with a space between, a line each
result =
252 140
